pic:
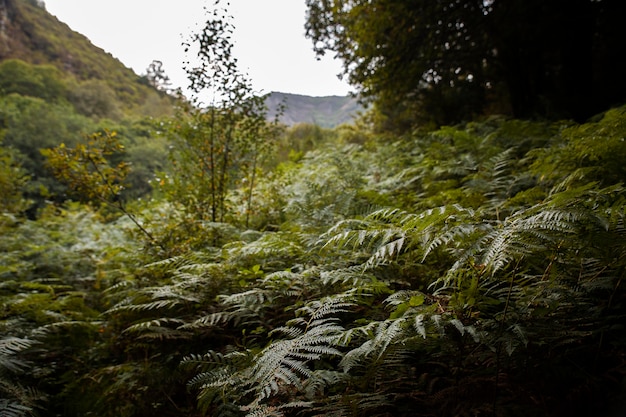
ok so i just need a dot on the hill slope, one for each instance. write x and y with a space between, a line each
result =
29 33
327 111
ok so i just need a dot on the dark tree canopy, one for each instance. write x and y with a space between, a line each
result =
454 60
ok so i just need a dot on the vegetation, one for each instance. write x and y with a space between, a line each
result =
212 262
451 61
492 284
32 35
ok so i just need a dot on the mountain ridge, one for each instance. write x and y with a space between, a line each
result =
324 111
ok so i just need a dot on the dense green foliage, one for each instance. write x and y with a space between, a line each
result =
473 269
41 108
214 264
450 61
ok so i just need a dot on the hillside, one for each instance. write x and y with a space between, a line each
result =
329 111
29 33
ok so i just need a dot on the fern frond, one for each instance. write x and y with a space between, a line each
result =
348 405
9 348
285 362
418 325
274 411
354 276
328 306
289 331
151 324
321 379
126 283
213 359
210 320
13 345
153 305
382 334
255 296
169 264
402 296
278 245
13 409
170 292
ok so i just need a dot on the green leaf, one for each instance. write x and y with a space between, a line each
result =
417 300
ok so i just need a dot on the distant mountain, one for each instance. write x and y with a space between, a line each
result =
29 33
329 111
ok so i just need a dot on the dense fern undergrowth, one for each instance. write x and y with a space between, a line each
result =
474 270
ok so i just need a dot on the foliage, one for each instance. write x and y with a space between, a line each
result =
466 296
472 269
41 117
16 400
452 61
94 98
217 146
469 270
592 152
28 124
13 180
87 170
34 36
91 176
42 81
52 271
299 139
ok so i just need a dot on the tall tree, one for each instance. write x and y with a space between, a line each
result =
156 76
221 132
453 60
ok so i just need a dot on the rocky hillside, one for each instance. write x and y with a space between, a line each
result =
29 33
327 111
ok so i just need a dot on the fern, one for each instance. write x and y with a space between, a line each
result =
311 337
275 411
218 375
17 400
270 246
156 329
11 409
354 404
9 348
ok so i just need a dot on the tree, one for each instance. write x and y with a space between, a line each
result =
92 177
13 182
43 81
156 76
217 143
94 98
454 60
29 124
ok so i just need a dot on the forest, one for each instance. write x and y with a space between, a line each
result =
459 249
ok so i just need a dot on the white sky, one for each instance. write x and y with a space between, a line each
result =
269 39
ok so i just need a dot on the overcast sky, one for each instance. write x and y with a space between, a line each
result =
269 39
